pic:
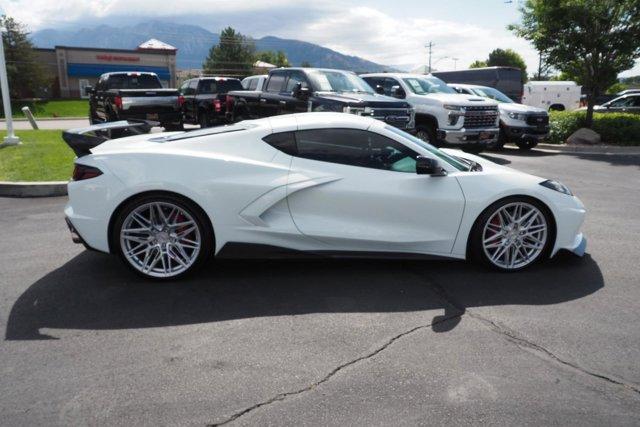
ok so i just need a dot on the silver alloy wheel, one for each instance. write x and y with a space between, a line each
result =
160 239
515 235
423 135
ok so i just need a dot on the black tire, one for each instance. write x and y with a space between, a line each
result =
427 133
476 251
502 140
199 217
203 119
526 144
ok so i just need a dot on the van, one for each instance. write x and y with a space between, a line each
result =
552 95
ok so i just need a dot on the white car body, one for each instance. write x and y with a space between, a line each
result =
253 193
552 95
433 108
254 83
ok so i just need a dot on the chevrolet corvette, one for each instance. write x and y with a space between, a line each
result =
321 183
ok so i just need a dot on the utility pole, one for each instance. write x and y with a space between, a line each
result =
455 62
430 45
11 138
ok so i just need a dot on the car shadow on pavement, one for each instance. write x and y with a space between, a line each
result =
96 292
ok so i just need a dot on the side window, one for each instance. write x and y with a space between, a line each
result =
193 84
388 84
373 82
253 84
636 101
283 141
295 77
276 83
355 148
183 88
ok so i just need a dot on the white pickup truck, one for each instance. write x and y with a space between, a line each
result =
443 116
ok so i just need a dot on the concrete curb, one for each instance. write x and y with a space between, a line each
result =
33 189
590 149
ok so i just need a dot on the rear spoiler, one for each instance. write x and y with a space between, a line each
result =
82 140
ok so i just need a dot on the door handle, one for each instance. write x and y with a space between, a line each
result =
262 100
283 102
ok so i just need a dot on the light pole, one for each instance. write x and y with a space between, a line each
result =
455 62
11 138
430 45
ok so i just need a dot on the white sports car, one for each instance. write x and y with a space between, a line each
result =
327 183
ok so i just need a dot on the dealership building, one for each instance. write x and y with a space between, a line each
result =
74 68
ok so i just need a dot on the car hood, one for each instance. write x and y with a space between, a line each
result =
363 99
491 167
461 99
506 107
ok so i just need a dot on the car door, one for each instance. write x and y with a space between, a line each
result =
357 190
289 103
269 101
634 107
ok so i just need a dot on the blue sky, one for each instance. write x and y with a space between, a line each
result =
388 32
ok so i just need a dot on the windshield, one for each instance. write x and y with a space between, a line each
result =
489 92
338 81
425 85
430 148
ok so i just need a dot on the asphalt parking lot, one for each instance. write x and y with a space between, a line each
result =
328 342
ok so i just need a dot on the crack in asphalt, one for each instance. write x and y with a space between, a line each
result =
283 396
522 342
510 335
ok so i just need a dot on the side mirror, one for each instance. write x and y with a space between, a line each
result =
379 90
88 90
429 166
301 92
398 92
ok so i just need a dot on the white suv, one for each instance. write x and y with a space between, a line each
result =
443 116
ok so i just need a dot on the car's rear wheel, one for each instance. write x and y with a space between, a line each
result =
203 120
162 236
512 234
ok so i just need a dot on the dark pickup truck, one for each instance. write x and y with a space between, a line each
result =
203 99
134 95
296 90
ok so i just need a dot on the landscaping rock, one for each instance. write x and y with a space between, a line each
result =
584 136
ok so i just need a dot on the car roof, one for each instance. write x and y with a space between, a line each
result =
316 120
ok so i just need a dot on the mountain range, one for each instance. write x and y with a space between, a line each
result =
193 43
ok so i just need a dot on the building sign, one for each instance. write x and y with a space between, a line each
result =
118 58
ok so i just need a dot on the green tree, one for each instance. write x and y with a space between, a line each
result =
278 58
25 74
616 87
478 64
233 56
507 58
592 40
306 64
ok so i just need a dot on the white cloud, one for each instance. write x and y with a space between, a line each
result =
379 37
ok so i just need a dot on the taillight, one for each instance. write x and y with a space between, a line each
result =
180 101
118 101
81 172
216 105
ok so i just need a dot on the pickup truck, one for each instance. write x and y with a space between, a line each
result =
203 100
254 82
133 95
295 90
443 116
521 124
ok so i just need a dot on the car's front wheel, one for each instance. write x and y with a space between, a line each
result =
162 236
512 234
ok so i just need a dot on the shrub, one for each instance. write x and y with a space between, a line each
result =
614 128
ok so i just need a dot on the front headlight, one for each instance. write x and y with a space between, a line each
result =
453 107
557 186
517 116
